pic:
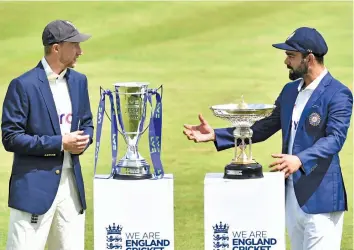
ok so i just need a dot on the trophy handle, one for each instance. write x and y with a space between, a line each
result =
102 90
151 92
109 118
151 114
100 116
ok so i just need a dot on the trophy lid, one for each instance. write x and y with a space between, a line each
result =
131 84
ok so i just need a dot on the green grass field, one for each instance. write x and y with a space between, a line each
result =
204 53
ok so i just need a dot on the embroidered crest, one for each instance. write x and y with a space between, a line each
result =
315 119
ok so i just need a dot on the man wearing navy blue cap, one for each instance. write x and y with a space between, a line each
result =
313 112
47 125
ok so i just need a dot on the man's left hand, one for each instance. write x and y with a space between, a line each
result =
288 164
82 141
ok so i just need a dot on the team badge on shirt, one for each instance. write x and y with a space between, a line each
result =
315 119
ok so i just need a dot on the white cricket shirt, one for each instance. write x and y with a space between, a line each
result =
301 100
60 91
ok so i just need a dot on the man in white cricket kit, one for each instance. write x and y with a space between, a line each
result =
47 124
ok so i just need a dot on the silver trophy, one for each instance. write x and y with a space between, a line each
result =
242 116
132 100
130 114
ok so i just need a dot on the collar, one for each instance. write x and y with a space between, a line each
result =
49 72
314 83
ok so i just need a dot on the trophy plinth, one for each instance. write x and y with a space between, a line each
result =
242 116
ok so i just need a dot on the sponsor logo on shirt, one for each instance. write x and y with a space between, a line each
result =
65 118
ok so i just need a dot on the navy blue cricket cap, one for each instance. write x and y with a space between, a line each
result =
62 31
305 40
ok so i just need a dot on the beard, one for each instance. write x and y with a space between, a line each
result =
299 72
71 64
68 62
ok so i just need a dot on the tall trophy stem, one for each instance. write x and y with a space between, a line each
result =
250 149
243 166
250 144
235 157
243 155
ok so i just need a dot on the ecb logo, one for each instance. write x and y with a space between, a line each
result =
114 237
221 236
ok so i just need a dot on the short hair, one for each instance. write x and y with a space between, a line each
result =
47 49
319 59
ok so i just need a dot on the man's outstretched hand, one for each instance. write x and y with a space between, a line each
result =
199 133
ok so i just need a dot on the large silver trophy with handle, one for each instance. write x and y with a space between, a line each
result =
132 100
242 116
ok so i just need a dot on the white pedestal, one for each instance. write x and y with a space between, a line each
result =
251 213
138 214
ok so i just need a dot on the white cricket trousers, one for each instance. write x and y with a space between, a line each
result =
311 231
62 225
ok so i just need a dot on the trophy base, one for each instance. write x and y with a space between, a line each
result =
243 171
128 170
131 177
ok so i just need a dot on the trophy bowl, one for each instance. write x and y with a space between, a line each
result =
242 116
